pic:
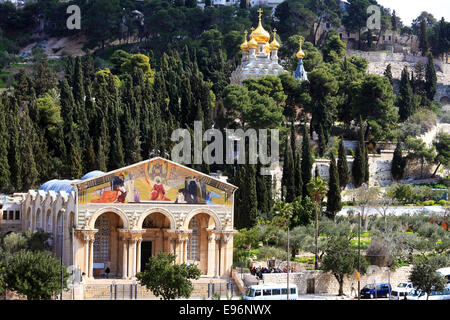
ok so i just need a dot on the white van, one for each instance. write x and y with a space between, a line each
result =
401 291
445 272
271 292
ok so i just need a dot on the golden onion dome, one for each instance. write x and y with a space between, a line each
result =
268 48
260 34
252 44
274 44
300 54
244 45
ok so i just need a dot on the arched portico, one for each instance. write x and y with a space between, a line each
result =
213 222
120 213
157 224
106 251
201 244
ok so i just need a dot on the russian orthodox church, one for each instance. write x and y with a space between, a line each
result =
260 58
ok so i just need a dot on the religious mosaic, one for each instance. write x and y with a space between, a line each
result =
156 180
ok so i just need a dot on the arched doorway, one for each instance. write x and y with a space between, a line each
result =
107 251
154 238
201 248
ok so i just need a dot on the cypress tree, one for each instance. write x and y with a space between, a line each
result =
261 191
298 174
316 172
342 165
358 167
430 78
78 82
388 74
398 163
28 171
366 165
288 180
424 45
251 197
5 181
73 154
405 101
394 21
307 161
14 159
322 142
334 204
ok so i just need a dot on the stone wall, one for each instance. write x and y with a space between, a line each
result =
378 62
327 283
380 167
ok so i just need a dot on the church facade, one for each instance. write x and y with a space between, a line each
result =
119 219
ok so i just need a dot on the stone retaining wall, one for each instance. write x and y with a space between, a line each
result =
327 283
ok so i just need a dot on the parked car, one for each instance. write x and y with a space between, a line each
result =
445 272
417 294
401 291
376 290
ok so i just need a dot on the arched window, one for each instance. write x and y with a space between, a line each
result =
193 244
49 222
38 220
59 234
101 243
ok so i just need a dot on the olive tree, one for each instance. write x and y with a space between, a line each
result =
166 279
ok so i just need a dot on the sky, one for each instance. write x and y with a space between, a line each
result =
408 10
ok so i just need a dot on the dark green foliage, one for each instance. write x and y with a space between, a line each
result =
358 167
388 74
307 161
35 274
5 175
341 259
166 279
246 199
424 44
398 163
342 165
298 180
334 204
430 78
288 179
405 100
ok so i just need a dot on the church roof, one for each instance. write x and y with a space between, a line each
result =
66 184
58 185
92 174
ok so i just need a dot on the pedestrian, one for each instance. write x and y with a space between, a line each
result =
352 291
107 271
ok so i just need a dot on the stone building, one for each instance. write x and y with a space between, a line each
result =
119 219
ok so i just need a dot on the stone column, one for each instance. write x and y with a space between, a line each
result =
86 256
91 258
218 247
124 258
211 256
87 239
133 265
138 262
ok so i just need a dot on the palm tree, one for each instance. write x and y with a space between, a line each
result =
317 189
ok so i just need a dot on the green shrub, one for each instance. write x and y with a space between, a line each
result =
443 203
428 203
